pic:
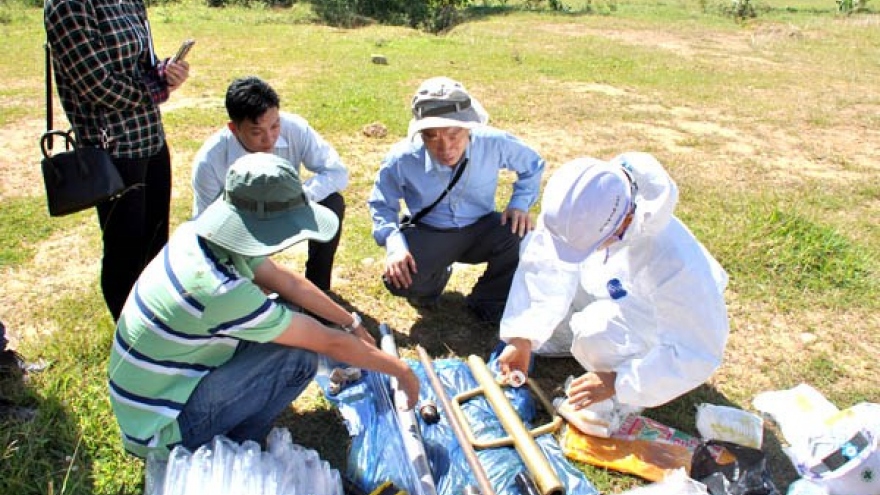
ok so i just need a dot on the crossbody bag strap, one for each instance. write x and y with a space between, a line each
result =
49 116
152 51
424 211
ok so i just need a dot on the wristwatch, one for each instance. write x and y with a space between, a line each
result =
356 322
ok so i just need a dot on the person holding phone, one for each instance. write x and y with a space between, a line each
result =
102 54
183 51
257 124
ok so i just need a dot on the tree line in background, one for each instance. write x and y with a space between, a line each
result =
436 16
430 15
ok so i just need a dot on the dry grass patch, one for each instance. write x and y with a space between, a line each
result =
20 158
66 263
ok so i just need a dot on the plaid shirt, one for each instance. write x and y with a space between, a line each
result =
100 49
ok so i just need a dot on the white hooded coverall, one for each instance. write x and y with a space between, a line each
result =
651 307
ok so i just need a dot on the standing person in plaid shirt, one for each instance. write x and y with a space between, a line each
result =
110 84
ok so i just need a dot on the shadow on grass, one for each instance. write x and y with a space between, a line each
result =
681 414
474 13
41 447
321 430
451 331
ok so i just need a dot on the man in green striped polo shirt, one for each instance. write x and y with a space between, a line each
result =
200 348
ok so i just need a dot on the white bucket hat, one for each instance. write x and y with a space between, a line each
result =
584 204
443 102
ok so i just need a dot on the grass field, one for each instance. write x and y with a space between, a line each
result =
770 127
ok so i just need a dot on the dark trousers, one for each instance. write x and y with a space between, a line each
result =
484 241
319 266
135 226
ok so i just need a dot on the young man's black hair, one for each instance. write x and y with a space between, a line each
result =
249 98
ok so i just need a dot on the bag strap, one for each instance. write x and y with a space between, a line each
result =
154 60
50 119
49 116
424 211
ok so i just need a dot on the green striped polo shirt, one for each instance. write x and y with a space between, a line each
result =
185 317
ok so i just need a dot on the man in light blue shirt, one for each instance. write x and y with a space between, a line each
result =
256 124
446 172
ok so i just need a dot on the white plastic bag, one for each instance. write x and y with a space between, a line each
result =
676 483
806 487
838 450
600 419
730 424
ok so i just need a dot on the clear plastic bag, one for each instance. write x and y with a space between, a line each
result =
836 449
224 467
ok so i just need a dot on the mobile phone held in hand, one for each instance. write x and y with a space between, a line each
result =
183 51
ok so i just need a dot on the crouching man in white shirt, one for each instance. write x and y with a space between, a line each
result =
256 124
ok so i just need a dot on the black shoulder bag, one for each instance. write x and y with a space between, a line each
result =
81 176
412 220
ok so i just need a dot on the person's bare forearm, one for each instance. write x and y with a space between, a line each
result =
309 297
307 333
299 290
357 353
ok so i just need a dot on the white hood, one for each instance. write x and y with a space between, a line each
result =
657 194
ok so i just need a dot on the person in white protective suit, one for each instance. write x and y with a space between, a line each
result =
612 277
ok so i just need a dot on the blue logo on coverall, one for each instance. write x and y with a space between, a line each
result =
615 289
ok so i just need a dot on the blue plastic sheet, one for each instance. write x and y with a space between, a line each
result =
377 453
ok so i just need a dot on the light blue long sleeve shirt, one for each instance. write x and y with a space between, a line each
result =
298 143
408 174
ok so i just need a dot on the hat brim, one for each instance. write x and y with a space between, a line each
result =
245 233
569 254
564 252
467 119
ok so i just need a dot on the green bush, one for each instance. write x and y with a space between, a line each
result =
431 15
434 16
738 9
851 6
741 9
342 13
